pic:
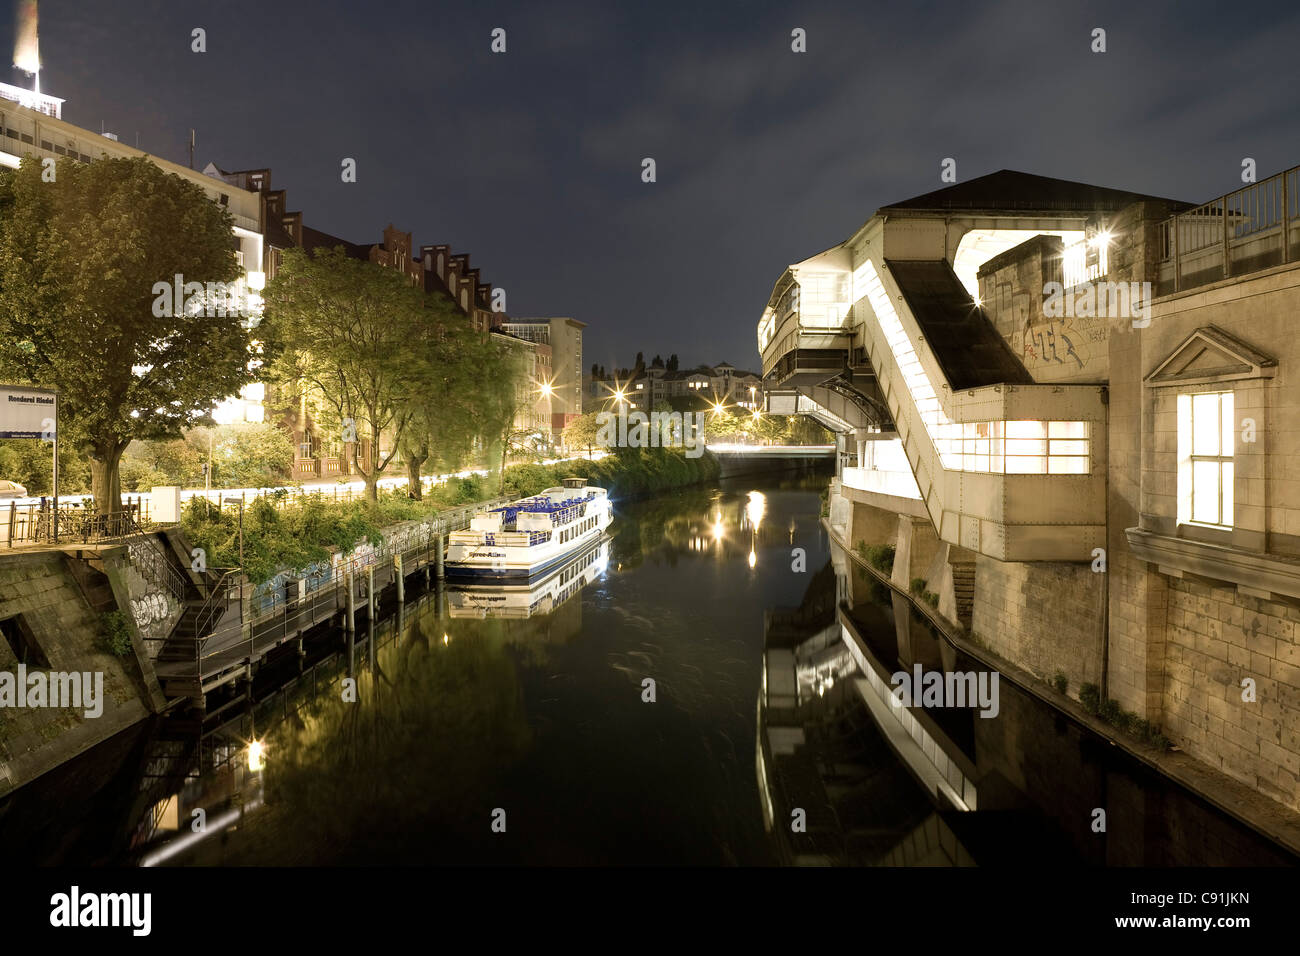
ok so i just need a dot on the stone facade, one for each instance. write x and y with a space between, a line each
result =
1214 638
40 592
1045 616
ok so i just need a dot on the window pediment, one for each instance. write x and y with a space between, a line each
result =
1210 355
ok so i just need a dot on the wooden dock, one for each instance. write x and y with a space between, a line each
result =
227 629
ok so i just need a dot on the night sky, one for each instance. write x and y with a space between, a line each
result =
531 160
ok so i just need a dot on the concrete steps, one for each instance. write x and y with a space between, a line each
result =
963 585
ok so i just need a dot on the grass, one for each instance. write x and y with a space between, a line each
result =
114 634
1114 714
298 535
627 473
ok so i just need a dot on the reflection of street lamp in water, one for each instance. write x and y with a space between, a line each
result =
256 756
755 509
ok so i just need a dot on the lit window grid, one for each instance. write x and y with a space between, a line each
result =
1075 269
1205 458
1013 447
823 300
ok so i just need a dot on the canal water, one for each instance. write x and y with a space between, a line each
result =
622 712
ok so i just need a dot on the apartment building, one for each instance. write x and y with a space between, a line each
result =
722 384
563 337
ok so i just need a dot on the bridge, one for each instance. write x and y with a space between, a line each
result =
737 459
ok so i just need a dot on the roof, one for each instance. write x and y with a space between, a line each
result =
315 239
969 349
1008 189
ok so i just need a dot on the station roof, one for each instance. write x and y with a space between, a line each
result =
1009 190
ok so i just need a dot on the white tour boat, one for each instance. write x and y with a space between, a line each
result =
530 537
487 599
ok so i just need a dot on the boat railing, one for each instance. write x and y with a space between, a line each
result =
516 539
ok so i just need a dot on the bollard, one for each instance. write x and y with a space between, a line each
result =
370 592
438 558
401 578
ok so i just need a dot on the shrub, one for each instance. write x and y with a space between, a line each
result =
918 585
931 599
1090 698
115 633
1110 711
879 556
1060 682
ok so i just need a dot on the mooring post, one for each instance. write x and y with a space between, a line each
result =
351 624
438 558
401 578
370 640
370 592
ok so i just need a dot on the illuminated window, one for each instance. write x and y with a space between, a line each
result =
1205 467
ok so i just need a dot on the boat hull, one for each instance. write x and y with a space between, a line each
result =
506 565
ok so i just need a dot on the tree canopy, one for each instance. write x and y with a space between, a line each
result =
80 257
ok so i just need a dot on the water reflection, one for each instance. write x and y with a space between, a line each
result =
892 785
539 597
609 713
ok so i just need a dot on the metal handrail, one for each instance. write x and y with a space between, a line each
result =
1234 219
169 577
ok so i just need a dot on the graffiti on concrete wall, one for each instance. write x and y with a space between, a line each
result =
1068 341
152 612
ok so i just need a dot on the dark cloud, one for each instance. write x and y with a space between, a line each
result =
531 161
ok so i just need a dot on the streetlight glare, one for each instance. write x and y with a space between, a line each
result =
256 755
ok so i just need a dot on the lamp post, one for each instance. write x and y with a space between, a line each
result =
240 502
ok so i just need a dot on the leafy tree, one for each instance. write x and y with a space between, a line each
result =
505 368
356 340
672 362
150 463
79 260
445 421
29 462
253 455
582 432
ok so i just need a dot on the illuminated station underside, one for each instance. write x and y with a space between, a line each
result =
883 340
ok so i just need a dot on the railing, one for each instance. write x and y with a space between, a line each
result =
273 597
1083 261
1245 231
185 645
149 557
